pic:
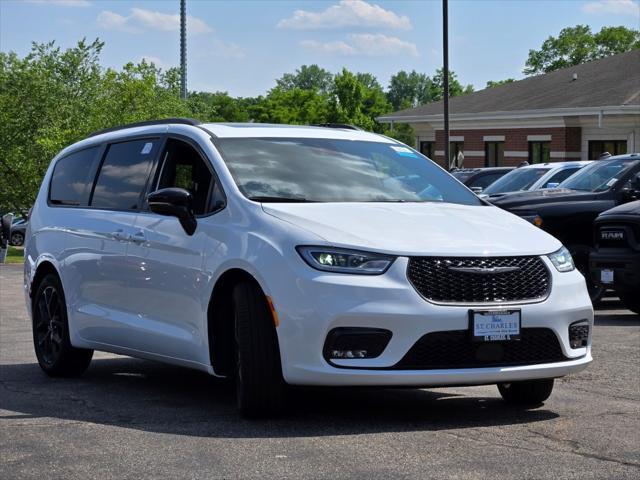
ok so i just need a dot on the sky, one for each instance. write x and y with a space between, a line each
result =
242 46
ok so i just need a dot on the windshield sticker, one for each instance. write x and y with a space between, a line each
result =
147 148
612 182
404 151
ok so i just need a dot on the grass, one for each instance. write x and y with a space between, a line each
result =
15 255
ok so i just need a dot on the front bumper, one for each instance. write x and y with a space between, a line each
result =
625 265
312 303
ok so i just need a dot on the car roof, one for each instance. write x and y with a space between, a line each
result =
550 165
266 130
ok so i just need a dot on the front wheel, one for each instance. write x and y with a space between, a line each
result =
56 356
527 393
259 382
17 239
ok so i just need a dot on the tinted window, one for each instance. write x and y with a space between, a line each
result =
485 180
124 174
599 176
73 178
331 170
515 180
561 176
183 167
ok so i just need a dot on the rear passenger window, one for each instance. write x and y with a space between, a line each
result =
124 174
73 178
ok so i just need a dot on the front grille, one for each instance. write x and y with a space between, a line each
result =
435 280
454 349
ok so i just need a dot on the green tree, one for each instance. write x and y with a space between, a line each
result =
576 45
407 90
497 83
53 97
307 77
435 91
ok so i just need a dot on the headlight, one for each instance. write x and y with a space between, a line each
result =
340 260
562 260
534 219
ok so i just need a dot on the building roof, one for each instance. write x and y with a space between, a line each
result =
612 81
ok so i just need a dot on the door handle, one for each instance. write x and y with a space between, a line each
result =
138 237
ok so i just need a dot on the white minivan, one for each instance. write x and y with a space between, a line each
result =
289 255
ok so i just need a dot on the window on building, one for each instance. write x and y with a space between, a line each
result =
539 152
493 154
614 147
428 149
124 174
73 178
456 154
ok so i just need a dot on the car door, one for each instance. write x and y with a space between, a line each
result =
96 267
168 285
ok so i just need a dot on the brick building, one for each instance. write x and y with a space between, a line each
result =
576 113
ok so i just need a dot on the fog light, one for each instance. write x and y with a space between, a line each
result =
348 354
579 334
346 343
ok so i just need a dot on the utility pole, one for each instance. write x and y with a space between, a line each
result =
445 52
183 49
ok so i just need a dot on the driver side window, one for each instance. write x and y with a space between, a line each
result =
183 167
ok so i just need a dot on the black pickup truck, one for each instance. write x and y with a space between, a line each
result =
615 261
568 212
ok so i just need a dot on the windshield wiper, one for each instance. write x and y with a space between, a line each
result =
266 199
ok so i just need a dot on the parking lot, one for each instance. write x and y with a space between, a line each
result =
128 418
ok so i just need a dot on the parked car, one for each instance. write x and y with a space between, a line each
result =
533 177
568 212
615 261
277 255
18 231
478 179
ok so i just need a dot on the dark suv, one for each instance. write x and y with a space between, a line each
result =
615 261
568 212
477 179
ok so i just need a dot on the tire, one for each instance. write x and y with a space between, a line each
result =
17 239
258 375
56 356
580 255
528 393
631 301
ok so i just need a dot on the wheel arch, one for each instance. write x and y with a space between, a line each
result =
220 319
44 268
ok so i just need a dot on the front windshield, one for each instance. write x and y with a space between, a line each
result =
599 176
330 170
515 180
463 175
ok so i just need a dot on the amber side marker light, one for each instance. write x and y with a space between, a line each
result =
274 314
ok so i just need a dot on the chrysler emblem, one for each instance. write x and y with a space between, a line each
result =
484 270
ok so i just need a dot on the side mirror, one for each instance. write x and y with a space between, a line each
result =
174 202
477 190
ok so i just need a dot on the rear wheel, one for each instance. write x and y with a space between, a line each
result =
259 382
527 393
631 301
56 355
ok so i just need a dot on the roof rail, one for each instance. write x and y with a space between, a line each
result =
163 121
345 126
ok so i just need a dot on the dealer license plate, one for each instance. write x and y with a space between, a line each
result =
495 325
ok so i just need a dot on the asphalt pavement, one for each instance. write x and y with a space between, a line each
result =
128 418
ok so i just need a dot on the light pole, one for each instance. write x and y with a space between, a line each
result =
445 77
183 49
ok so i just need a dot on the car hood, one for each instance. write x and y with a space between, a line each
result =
418 228
536 197
631 208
